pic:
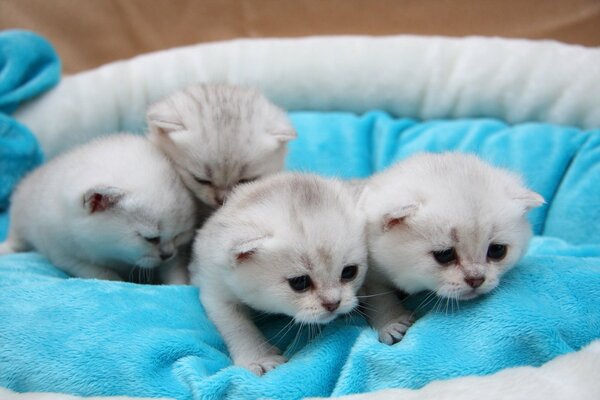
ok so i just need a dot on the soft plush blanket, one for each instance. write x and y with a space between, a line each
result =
525 106
28 66
99 338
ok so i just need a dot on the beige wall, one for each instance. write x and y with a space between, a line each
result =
88 33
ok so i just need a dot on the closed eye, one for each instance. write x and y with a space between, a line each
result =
203 181
152 239
248 180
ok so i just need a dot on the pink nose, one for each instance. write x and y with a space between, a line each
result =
219 198
331 307
474 282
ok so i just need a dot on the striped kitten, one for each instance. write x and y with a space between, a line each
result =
220 135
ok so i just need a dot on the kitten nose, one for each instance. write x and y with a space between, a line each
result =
220 198
474 282
331 307
165 256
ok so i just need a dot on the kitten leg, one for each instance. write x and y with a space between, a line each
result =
386 313
13 244
246 344
175 272
88 271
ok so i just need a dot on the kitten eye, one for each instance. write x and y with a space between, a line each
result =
496 252
152 239
349 272
300 283
445 256
203 181
248 180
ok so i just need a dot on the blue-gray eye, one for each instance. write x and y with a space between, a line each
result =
446 256
300 283
349 272
496 252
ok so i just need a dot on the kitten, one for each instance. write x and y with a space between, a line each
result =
220 135
291 244
103 209
448 223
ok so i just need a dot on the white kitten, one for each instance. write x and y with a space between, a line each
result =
291 244
448 223
102 209
219 136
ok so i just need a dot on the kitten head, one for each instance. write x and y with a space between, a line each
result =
295 245
449 223
144 215
219 136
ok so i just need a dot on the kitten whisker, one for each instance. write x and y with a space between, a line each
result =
427 300
375 295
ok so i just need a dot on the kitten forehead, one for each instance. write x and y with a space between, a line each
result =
313 215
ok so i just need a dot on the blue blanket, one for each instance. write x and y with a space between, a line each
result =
104 338
28 66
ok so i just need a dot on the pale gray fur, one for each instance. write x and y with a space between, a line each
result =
430 203
221 134
269 231
141 195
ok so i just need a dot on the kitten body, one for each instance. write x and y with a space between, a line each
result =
449 223
220 135
289 244
103 209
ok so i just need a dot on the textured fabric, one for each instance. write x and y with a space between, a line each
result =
28 67
90 337
408 76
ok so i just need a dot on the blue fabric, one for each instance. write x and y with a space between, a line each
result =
28 66
104 338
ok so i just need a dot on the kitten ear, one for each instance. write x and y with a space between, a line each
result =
396 218
244 251
529 199
285 135
162 120
101 198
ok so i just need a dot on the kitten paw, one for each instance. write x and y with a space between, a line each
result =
394 331
109 275
264 364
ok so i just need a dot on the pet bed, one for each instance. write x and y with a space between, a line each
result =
359 104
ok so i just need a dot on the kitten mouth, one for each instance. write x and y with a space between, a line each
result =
468 295
147 263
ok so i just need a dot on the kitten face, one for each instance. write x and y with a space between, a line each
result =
312 285
294 245
135 230
219 136
448 223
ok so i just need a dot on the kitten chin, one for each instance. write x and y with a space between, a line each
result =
449 223
288 244
111 209
219 136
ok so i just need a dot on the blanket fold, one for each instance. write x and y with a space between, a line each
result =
29 66
90 337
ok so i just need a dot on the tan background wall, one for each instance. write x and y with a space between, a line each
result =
88 33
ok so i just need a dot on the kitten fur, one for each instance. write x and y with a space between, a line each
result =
268 232
220 135
92 210
434 203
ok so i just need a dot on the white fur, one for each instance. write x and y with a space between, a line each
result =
433 202
269 231
220 135
570 376
53 209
